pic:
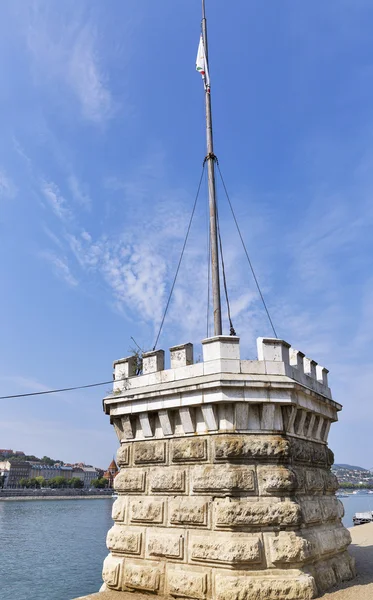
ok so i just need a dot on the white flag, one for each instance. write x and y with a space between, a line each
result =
201 65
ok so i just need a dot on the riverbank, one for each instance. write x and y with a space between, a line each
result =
53 494
360 588
51 498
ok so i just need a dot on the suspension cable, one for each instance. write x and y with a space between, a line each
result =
246 252
180 259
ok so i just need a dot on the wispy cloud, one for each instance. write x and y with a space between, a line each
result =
79 194
60 267
63 45
88 79
8 189
55 199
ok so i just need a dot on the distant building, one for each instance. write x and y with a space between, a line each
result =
90 473
78 473
66 472
46 471
5 452
111 473
4 473
18 470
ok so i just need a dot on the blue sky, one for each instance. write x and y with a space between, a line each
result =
102 140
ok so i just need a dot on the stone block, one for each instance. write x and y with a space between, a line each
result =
210 417
165 544
142 577
186 511
153 361
325 577
146 510
332 508
314 480
310 367
248 512
296 359
112 572
213 479
221 366
186 414
189 450
130 481
187 583
221 347
181 356
288 547
167 422
331 483
276 480
344 567
241 587
124 368
311 511
232 549
118 511
126 540
167 480
273 349
123 455
147 424
322 375
243 447
149 452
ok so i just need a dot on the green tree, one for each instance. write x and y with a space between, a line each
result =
58 482
24 482
76 482
100 483
41 481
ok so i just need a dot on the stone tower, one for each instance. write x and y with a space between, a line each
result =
225 488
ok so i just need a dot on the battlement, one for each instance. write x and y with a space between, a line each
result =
221 354
281 391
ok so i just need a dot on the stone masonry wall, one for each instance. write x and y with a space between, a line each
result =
238 509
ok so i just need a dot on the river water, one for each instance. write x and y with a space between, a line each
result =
54 550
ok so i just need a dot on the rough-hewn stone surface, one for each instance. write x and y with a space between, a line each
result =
219 503
225 489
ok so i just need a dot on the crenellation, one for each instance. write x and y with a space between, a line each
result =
322 375
125 367
310 367
153 361
296 360
273 350
181 356
225 490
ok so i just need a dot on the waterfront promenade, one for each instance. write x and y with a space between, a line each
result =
361 588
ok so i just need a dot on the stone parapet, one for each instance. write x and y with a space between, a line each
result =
225 490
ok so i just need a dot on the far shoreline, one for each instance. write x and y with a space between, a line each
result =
35 498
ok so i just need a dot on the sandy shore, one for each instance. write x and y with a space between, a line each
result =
360 588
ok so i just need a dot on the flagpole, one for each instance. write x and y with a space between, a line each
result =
211 158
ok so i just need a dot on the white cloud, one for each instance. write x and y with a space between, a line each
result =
80 195
88 80
7 188
63 45
55 200
60 267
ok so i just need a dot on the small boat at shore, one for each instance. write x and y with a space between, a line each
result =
342 495
114 495
361 518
